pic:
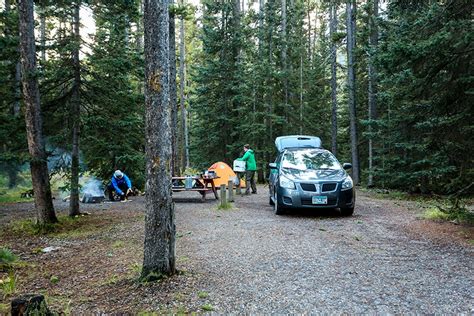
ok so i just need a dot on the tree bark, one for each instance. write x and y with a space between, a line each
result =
34 129
173 93
372 78
159 244
139 32
75 113
284 58
301 94
261 7
351 85
42 15
182 96
310 51
16 104
332 31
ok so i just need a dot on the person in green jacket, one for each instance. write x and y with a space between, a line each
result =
250 168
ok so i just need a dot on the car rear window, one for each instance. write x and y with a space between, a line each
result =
310 160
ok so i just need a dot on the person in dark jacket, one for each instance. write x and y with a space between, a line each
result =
250 168
121 184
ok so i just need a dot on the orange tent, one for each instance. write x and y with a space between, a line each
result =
225 173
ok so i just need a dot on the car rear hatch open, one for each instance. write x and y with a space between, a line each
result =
297 141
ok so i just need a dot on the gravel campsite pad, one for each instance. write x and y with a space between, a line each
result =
248 260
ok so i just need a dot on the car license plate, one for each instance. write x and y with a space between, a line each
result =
320 200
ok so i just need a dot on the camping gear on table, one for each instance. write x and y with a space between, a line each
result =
239 166
225 174
188 183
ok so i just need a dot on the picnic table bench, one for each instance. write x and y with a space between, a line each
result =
202 185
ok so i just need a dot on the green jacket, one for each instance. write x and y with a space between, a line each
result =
249 157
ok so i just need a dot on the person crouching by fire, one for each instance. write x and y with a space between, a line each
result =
121 184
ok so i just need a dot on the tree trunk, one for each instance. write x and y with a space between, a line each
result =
16 105
236 24
332 31
261 6
75 114
301 94
351 85
159 244
42 15
284 58
372 78
173 94
269 95
34 129
17 72
140 27
310 52
182 84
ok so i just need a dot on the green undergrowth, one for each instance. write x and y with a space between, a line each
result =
4 309
14 195
394 194
445 208
460 215
7 259
225 207
66 227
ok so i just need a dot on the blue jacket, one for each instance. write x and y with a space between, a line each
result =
116 182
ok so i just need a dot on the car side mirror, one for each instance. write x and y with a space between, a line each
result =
272 165
346 166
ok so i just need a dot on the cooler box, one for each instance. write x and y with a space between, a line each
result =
239 166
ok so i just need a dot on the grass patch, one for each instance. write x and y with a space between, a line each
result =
113 279
67 227
13 195
459 215
4 308
224 207
118 244
394 194
180 297
182 259
207 307
8 284
7 259
135 268
203 294
54 279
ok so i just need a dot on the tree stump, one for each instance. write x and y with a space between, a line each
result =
30 304
230 187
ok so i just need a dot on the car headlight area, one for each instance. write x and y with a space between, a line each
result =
347 183
286 183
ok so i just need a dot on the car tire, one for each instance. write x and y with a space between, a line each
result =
347 211
278 209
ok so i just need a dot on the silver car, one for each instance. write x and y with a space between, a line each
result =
307 176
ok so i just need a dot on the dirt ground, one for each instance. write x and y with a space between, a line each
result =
248 260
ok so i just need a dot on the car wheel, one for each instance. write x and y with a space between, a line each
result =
347 211
277 207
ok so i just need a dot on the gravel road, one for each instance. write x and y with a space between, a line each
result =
248 260
253 261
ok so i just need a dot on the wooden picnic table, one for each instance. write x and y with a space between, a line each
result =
202 185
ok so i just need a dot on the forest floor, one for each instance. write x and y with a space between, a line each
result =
384 259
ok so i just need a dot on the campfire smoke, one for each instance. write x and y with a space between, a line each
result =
92 191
